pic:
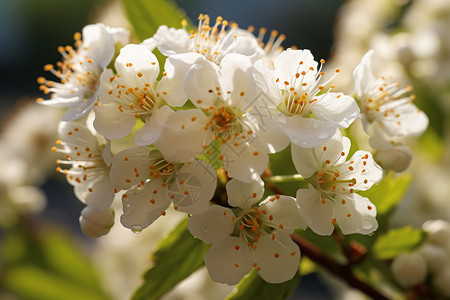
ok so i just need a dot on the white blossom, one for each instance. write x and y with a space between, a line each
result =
80 70
330 197
386 106
89 171
308 111
249 235
152 183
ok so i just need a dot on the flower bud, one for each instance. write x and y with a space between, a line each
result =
435 256
409 269
396 158
96 223
438 232
441 281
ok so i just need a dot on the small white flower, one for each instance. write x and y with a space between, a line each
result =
80 70
96 223
152 183
330 196
409 269
89 172
128 95
228 93
249 235
208 43
212 42
386 106
308 112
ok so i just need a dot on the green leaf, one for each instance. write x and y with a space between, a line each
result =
147 15
397 241
253 286
177 256
31 282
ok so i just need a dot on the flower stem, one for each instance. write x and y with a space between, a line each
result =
340 271
285 178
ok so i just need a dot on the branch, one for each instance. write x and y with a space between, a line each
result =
343 272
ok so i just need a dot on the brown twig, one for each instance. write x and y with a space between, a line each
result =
343 272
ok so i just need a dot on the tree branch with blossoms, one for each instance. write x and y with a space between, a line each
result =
204 126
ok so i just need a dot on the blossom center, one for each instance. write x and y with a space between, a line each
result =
209 41
329 180
385 95
78 74
136 100
224 122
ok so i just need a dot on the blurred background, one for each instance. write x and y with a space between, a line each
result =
412 42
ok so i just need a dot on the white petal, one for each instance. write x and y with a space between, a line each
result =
100 44
142 207
227 265
287 64
362 75
243 194
244 159
335 150
269 132
405 120
137 65
355 214
186 129
172 83
151 131
305 162
238 83
282 210
307 132
317 213
111 122
130 167
364 170
213 225
96 223
80 110
336 107
194 186
277 260
171 41
201 82
96 193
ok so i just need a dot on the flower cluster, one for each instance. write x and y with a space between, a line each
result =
158 135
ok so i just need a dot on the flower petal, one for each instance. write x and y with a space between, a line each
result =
201 83
137 65
99 43
151 131
317 213
141 207
362 75
244 159
336 107
212 225
188 129
363 168
194 185
307 132
244 194
278 259
111 122
130 167
171 41
227 265
355 214
282 210
171 85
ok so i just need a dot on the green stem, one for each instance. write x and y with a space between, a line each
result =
285 178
